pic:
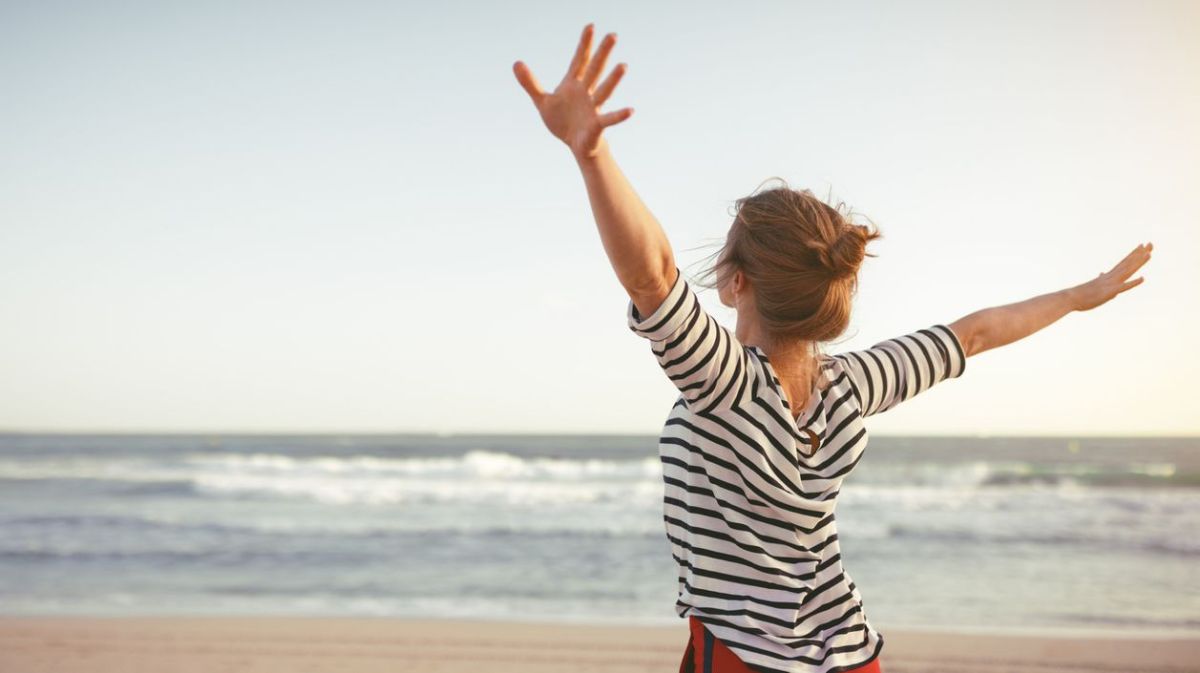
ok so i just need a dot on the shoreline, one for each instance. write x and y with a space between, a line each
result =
1066 632
375 644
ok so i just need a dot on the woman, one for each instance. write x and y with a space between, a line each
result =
766 426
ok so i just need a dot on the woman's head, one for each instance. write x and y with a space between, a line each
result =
800 258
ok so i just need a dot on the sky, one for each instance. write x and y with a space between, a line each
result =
348 217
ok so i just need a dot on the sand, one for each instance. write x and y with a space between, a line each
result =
376 645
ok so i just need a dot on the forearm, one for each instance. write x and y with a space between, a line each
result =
1000 325
636 244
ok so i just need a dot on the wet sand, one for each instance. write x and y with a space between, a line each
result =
379 645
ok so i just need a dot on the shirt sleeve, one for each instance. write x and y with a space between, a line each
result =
897 369
702 358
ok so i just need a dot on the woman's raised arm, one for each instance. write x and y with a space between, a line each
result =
636 244
1001 325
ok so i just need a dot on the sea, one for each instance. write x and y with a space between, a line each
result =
1027 534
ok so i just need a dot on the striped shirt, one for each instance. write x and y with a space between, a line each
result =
748 503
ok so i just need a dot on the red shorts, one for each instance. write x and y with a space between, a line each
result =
706 653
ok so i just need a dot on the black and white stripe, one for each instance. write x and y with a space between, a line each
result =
748 505
894 370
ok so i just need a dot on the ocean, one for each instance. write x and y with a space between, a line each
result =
988 533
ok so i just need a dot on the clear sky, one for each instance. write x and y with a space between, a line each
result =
340 217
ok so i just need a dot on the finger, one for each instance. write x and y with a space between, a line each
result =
579 61
529 82
596 66
616 117
606 87
1134 261
1121 266
1131 284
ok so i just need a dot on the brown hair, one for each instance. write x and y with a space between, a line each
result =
801 257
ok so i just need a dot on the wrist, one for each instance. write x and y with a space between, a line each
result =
583 157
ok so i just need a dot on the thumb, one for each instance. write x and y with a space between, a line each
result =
528 82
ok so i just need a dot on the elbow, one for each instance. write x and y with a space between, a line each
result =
970 333
652 278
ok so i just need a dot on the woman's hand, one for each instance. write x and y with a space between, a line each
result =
1110 283
572 111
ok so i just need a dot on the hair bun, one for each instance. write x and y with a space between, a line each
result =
846 254
843 256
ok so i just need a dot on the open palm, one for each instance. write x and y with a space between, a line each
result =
1109 284
572 111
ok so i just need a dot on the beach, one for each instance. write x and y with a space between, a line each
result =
316 553
378 645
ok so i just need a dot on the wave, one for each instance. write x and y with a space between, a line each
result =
176 556
481 477
482 464
341 546
588 527
993 473
473 464
1144 541
491 478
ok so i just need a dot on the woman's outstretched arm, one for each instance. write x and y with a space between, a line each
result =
1001 325
636 244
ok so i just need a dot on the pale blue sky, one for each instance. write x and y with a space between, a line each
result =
348 217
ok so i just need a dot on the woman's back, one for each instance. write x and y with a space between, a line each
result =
748 503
